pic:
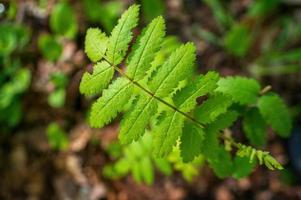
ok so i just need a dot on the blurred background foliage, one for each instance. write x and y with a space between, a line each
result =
43 127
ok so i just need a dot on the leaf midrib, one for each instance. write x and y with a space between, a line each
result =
118 36
99 73
121 89
169 127
143 50
164 80
145 106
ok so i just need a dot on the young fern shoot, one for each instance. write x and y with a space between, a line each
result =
161 96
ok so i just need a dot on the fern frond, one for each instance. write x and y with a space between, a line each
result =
95 44
146 48
133 125
112 101
94 83
178 67
122 35
158 88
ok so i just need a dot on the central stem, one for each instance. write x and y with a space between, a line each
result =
154 96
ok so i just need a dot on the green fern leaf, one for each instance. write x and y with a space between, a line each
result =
255 127
221 164
191 140
214 106
169 45
276 114
145 49
178 67
95 44
147 170
186 98
242 167
223 121
210 142
242 90
219 159
122 35
97 81
167 132
133 125
137 172
112 101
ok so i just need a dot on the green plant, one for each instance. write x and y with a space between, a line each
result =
278 54
14 78
221 15
49 47
105 13
188 169
10 95
165 165
237 40
261 8
63 24
152 9
56 98
138 160
63 20
57 138
165 94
